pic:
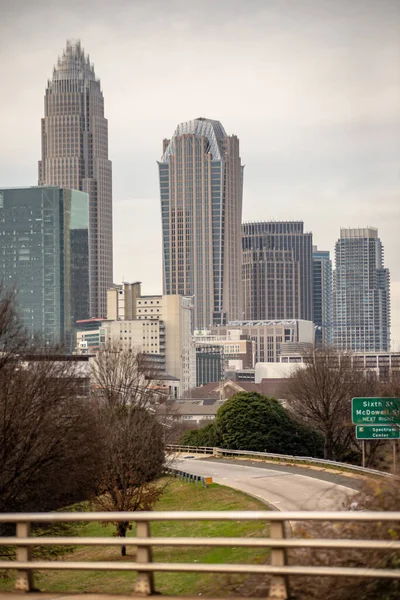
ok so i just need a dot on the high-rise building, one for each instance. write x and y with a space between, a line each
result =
271 284
177 314
322 296
201 184
75 155
282 244
44 255
361 293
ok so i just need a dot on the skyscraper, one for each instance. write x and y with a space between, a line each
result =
201 184
44 254
322 296
284 237
75 155
361 292
271 285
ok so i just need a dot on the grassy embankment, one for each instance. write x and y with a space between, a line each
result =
178 496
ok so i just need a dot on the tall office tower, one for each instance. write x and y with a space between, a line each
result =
284 236
271 285
322 296
75 155
201 185
361 293
44 254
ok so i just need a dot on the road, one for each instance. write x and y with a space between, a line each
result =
281 488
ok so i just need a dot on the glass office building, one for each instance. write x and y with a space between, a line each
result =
44 255
201 181
322 296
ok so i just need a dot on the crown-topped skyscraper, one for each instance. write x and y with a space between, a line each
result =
75 155
201 184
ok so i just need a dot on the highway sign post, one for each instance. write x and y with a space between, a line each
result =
377 432
375 411
378 418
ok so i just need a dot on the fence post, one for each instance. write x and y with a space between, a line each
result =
24 580
279 586
145 580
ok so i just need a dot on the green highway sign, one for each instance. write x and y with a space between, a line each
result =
375 411
377 432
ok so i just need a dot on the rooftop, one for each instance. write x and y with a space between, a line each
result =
212 130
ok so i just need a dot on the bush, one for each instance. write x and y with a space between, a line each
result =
206 436
250 421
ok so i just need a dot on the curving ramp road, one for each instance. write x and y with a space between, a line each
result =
282 487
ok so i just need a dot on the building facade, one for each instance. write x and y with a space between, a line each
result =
121 301
209 364
201 186
271 284
361 293
75 156
269 336
177 314
44 254
285 272
382 365
158 326
238 350
322 297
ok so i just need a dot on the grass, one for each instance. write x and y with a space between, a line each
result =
178 496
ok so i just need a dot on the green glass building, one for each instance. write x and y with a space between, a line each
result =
44 255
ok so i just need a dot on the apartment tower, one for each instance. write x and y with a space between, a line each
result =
75 156
201 185
361 293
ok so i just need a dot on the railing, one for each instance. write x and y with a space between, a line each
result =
285 457
188 477
278 568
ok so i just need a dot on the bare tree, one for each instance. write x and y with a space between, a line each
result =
321 394
121 377
125 378
134 459
49 441
136 425
13 337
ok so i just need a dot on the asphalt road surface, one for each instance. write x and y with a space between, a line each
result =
280 487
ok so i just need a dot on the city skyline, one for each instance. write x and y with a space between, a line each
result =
317 108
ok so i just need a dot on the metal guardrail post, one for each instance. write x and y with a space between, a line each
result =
145 580
279 587
24 580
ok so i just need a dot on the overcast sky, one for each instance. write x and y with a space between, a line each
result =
310 87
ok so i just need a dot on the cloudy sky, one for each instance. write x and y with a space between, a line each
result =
310 87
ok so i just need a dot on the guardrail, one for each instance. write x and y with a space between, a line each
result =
145 567
188 477
286 457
